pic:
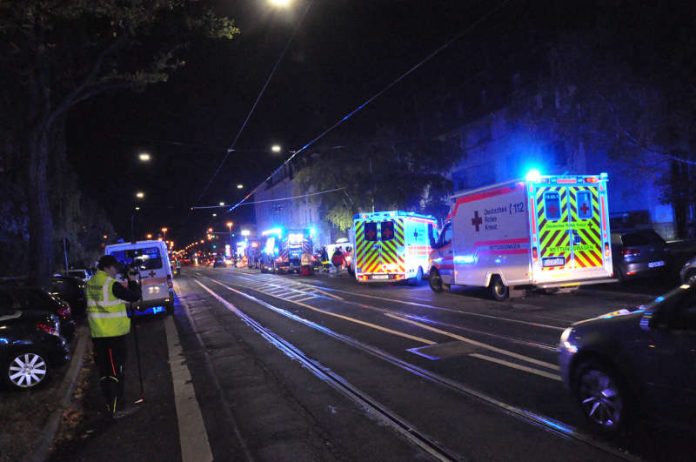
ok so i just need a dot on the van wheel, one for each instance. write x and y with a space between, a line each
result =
499 291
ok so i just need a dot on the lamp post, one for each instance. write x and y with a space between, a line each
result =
164 232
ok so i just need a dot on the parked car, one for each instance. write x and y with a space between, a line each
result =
72 290
30 299
30 345
688 271
634 363
638 253
83 274
219 261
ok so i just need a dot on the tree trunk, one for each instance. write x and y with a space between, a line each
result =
40 219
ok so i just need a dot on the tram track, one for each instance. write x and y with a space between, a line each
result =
556 427
372 407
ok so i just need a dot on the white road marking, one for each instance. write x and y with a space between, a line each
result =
531 370
501 351
193 437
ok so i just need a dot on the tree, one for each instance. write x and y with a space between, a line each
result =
381 172
58 53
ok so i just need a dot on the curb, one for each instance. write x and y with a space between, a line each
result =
627 295
63 395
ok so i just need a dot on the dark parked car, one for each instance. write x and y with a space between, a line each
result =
638 253
28 299
634 363
219 261
30 346
72 290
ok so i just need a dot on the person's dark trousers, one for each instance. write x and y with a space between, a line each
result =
110 357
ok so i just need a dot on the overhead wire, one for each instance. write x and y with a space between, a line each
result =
230 150
279 199
376 95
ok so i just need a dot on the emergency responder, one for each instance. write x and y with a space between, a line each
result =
109 326
338 260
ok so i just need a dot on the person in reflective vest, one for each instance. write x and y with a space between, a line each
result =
109 326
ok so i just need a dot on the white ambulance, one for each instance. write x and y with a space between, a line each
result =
544 231
391 246
152 261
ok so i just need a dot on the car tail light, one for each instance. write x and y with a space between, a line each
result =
48 328
630 252
170 284
607 250
535 254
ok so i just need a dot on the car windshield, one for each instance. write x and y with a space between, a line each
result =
673 297
148 258
642 238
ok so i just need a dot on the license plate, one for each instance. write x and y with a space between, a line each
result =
656 264
553 261
380 276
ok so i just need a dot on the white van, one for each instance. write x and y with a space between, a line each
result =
152 260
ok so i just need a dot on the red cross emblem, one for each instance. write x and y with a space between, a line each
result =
477 221
387 233
584 209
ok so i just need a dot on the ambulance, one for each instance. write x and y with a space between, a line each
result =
283 249
152 261
391 246
549 232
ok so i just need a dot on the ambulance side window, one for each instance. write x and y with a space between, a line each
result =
552 206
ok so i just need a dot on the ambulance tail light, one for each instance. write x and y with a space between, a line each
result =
592 179
535 254
607 250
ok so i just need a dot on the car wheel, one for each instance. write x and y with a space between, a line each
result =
691 274
601 396
499 291
25 370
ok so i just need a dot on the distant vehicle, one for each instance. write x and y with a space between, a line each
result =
72 290
219 262
30 299
548 232
635 362
79 273
391 246
152 262
283 249
638 253
31 346
688 271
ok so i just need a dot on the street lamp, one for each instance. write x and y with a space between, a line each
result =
240 186
148 236
164 232
280 3
144 157
215 214
276 148
222 203
210 230
140 195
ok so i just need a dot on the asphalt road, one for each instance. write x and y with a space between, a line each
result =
320 368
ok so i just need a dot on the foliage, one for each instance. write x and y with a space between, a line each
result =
55 54
383 172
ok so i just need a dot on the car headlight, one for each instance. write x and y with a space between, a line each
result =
566 343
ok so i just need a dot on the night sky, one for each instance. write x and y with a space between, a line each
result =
344 52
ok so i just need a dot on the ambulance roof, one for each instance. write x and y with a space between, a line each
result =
391 214
541 179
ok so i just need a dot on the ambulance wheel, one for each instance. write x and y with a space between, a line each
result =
499 291
435 280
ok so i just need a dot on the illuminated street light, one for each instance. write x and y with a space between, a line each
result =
280 3
202 241
149 236
144 157
137 209
240 186
210 230
230 224
215 214
140 195
222 204
276 148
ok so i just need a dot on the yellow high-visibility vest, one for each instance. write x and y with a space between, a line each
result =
106 314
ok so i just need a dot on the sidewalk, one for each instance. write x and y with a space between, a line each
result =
152 433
